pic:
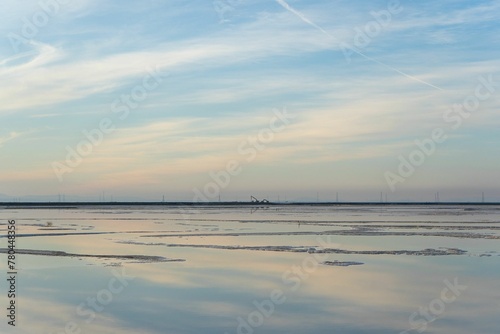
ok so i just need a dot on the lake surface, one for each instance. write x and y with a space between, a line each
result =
238 269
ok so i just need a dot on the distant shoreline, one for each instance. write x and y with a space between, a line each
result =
66 205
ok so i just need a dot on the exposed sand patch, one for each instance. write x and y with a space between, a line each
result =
311 249
139 258
341 263
354 232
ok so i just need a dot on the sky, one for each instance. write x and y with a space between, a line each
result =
279 99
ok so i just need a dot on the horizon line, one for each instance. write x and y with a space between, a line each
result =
246 203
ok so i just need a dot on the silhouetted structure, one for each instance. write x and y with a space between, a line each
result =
255 200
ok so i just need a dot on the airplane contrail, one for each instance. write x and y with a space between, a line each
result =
292 10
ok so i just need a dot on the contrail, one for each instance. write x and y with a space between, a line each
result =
306 20
301 16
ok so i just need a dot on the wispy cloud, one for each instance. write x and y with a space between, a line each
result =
11 136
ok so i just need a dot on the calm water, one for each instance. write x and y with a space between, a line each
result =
414 269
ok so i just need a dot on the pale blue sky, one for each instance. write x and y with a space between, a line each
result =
224 67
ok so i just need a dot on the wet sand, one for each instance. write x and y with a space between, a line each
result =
137 258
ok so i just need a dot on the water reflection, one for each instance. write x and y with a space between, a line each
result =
245 291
